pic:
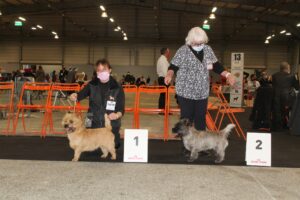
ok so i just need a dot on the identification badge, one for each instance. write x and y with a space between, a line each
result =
110 105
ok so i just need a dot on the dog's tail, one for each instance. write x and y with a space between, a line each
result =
107 122
226 131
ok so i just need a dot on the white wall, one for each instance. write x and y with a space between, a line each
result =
138 59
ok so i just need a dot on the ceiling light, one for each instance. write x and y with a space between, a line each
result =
214 9
288 34
0 13
102 8
111 19
124 34
273 35
298 25
282 32
212 16
125 38
22 19
33 28
205 21
269 37
119 28
267 42
56 37
116 29
39 26
54 33
104 15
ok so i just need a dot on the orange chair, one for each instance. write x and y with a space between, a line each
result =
152 90
224 109
209 121
30 87
134 90
62 89
8 107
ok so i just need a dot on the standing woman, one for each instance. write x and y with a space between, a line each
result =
191 64
105 96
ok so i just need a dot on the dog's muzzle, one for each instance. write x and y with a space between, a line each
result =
69 129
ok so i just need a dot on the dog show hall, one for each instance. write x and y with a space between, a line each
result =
149 99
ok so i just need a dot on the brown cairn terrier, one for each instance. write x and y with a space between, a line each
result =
82 139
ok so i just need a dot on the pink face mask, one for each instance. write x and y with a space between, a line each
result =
103 76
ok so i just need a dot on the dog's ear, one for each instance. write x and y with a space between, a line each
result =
189 123
186 122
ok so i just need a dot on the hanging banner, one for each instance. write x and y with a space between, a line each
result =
237 70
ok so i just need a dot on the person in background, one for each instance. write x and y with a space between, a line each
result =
106 95
40 75
192 63
253 85
142 81
148 80
262 108
71 76
284 85
162 68
28 73
62 75
53 76
80 78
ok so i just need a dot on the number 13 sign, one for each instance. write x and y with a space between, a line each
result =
258 149
136 145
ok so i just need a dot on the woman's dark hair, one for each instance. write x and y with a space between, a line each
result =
163 50
103 62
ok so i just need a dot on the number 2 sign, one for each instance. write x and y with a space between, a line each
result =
135 145
258 149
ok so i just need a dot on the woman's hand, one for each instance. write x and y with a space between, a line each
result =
73 97
113 116
169 77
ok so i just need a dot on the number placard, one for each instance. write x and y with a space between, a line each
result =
258 149
135 145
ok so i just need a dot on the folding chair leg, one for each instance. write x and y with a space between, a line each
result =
23 121
15 123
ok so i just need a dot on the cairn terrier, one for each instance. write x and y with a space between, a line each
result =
198 141
82 139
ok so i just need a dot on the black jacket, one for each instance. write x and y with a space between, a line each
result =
283 85
99 94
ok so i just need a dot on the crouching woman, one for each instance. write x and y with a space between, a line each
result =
105 96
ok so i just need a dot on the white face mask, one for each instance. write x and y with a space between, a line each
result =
198 47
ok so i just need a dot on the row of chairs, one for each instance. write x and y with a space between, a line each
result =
51 91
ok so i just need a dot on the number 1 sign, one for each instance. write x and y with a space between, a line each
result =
136 145
258 149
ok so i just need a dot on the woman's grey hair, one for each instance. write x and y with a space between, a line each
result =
196 36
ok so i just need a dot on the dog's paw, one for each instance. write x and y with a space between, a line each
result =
190 160
113 158
74 160
218 161
104 156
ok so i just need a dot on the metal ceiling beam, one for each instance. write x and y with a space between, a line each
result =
157 12
69 19
165 5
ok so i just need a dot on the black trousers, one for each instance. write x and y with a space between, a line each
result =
194 110
280 111
162 96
